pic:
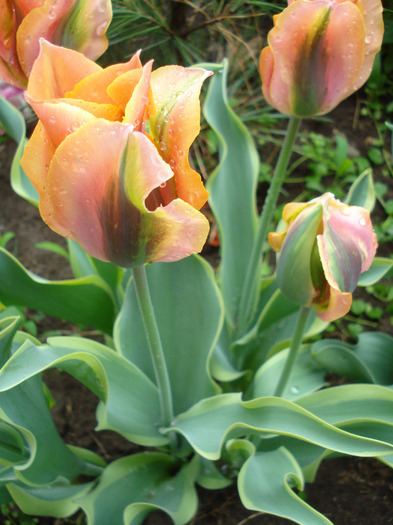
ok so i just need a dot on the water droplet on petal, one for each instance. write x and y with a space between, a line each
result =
362 222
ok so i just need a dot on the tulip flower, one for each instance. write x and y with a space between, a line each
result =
76 24
324 248
319 52
109 156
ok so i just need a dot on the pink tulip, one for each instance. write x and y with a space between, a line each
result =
76 24
319 53
324 248
109 156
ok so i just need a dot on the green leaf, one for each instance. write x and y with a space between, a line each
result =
305 377
273 332
232 189
133 486
84 265
370 360
189 315
57 501
212 421
130 402
87 301
8 327
362 192
352 404
265 482
48 459
378 269
13 123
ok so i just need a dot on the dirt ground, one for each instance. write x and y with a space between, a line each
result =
349 491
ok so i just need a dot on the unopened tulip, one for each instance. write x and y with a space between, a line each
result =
322 252
109 156
76 24
319 52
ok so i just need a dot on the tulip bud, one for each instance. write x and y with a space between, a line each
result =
76 24
319 53
322 252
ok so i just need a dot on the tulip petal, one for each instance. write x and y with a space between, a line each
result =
347 245
294 261
176 124
338 305
60 119
97 183
40 22
86 27
57 70
10 70
23 7
318 50
36 158
372 14
93 88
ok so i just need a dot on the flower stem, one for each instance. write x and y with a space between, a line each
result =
295 345
155 345
251 283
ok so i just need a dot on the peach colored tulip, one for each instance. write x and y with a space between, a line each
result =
109 156
77 24
319 53
322 252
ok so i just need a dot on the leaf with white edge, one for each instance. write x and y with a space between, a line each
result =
188 308
305 377
350 403
264 485
209 423
47 459
13 123
362 193
270 336
88 301
130 402
57 501
379 268
84 265
369 360
232 188
132 487
8 328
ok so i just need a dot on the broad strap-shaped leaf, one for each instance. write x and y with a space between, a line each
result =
133 486
232 189
25 408
83 265
14 124
378 269
212 421
352 403
306 376
370 360
129 404
57 500
8 327
264 485
362 192
189 314
87 301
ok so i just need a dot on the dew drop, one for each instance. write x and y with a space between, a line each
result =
51 14
101 29
362 222
163 185
368 40
52 119
295 390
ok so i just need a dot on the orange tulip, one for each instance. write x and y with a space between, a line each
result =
319 53
77 24
109 156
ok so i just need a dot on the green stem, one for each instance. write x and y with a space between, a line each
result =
295 345
155 345
251 282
